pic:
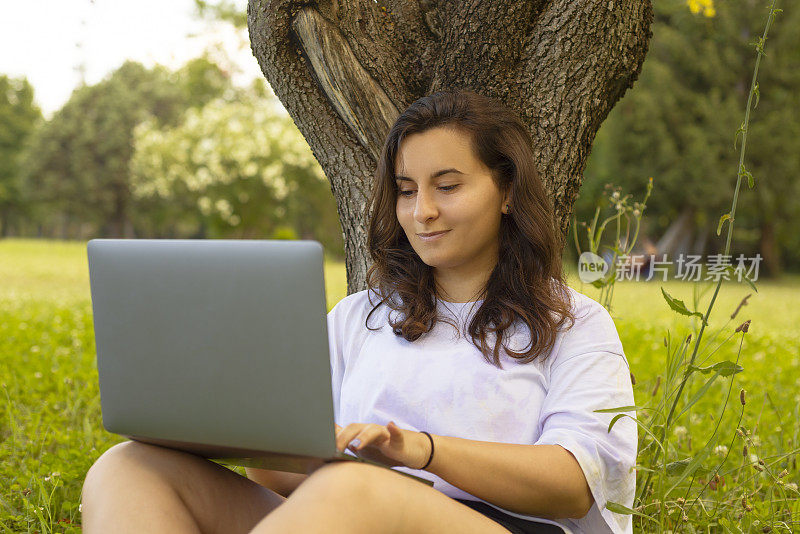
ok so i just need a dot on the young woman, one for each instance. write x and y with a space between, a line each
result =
468 362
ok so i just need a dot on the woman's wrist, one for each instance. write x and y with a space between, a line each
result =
425 457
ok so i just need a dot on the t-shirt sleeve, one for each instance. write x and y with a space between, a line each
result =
594 374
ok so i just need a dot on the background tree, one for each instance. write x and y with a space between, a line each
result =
201 80
344 69
242 170
676 125
19 116
76 169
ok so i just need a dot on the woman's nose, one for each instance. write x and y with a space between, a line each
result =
425 208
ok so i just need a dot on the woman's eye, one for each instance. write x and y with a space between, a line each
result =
409 192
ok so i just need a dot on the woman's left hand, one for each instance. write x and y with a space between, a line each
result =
389 445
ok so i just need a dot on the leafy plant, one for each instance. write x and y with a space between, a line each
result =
759 498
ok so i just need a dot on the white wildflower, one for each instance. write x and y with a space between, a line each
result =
250 169
204 203
223 207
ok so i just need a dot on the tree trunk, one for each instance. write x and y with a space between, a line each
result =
676 237
118 221
4 218
344 69
769 249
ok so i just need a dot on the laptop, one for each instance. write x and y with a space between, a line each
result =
218 348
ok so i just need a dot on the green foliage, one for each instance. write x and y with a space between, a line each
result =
184 154
664 498
676 124
678 305
201 81
222 10
622 213
77 164
240 168
19 116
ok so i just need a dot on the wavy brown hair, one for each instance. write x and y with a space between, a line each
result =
527 283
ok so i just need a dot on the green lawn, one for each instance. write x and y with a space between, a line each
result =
58 272
50 421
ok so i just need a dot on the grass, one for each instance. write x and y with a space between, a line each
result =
757 488
50 421
58 272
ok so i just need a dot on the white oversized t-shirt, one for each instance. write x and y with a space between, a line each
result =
441 383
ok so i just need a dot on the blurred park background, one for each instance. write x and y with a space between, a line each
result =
202 149
151 120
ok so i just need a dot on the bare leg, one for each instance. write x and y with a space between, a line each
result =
137 487
354 498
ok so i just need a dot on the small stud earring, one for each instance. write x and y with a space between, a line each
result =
508 208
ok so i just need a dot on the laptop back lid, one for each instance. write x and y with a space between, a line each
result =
215 342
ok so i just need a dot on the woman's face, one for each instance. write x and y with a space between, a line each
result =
444 187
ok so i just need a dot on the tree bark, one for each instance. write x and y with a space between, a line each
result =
4 218
344 69
769 249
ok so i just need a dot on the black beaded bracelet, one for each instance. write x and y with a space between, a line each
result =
431 456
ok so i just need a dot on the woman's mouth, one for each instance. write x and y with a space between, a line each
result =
433 236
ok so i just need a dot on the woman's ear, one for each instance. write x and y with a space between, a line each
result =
506 209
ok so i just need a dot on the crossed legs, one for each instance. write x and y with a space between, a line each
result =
136 487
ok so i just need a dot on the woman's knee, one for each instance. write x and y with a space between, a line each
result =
121 463
348 481
110 460
127 487
217 498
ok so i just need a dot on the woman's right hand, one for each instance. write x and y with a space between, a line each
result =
371 452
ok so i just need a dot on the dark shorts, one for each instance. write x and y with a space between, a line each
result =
511 523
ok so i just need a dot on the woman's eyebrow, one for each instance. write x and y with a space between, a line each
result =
434 175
